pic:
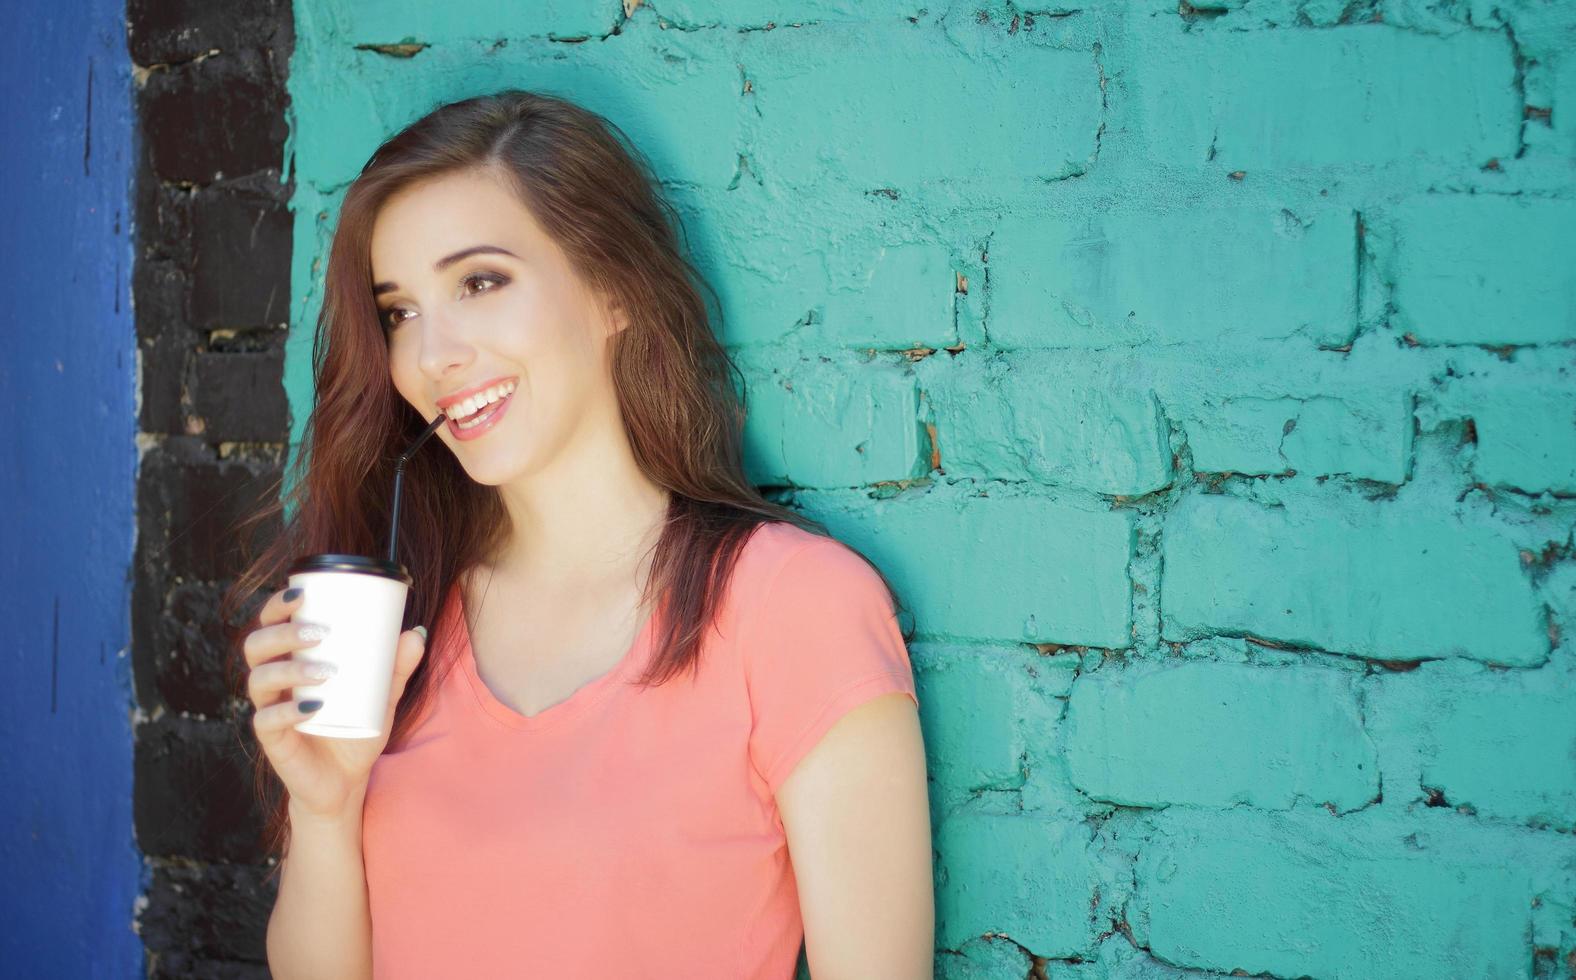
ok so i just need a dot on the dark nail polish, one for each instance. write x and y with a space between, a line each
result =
308 706
291 595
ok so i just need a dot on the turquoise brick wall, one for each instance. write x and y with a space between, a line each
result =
1203 377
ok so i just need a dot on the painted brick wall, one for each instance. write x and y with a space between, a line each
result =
1201 374
210 288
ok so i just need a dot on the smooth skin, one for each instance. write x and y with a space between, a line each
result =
582 514
857 816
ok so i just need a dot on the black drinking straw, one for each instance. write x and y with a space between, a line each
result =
399 479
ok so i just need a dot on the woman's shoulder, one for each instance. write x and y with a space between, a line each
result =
773 543
782 557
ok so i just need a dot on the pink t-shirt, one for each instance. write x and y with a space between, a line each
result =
628 832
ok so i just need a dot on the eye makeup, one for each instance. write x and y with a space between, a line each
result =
497 280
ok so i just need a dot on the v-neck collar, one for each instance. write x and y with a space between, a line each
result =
588 694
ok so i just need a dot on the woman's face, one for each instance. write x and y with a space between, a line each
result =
487 318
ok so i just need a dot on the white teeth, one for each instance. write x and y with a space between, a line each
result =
475 403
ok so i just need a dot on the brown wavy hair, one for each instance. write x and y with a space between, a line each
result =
593 192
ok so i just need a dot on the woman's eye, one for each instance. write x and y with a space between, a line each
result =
470 285
493 282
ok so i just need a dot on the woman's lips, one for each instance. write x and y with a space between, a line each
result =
489 415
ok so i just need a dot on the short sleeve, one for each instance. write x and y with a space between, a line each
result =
822 638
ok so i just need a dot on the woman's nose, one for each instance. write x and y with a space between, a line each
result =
443 346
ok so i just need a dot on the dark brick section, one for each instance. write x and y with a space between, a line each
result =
170 966
192 503
191 800
188 502
220 116
238 393
241 244
164 341
188 674
214 908
173 31
212 289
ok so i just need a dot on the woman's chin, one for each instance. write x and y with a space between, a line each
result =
488 476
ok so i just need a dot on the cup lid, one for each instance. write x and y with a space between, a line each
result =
351 563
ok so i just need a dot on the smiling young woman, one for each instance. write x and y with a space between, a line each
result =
664 727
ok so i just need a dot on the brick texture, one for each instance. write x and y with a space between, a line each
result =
1199 373
212 289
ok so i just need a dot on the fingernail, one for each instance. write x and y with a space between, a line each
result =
320 671
423 631
291 595
312 631
306 707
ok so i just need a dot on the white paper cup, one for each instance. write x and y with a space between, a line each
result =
362 602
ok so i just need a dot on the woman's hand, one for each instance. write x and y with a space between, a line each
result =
325 776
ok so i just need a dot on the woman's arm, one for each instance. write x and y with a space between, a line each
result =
321 925
857 816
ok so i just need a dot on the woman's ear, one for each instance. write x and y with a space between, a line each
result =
617 318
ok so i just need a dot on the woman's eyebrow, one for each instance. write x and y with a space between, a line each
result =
446 261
